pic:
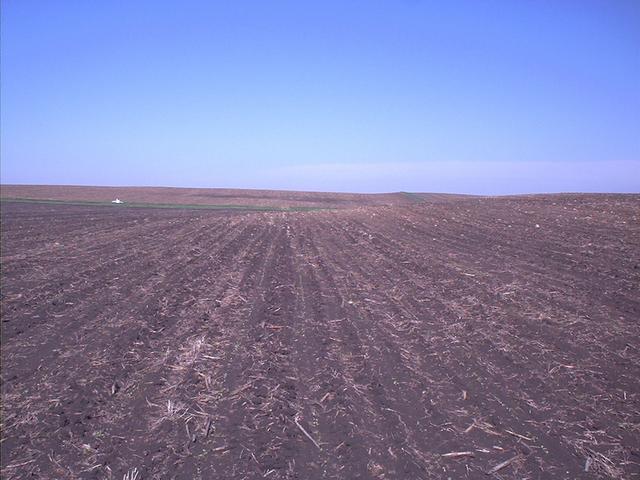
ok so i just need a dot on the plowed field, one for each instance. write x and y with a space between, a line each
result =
450 339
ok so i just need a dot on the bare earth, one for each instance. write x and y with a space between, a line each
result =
427 338
209 196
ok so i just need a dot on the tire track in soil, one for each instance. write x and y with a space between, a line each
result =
259 387
396 394
363 449
329 410
268 389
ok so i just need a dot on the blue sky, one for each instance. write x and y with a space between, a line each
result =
370 96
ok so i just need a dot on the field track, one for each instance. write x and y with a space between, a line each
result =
417 340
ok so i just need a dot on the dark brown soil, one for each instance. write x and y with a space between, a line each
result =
427 340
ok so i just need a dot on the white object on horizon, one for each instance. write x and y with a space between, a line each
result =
117 200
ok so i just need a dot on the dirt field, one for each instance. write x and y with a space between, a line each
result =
213 196
422 340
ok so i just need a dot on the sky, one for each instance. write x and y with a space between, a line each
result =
485 97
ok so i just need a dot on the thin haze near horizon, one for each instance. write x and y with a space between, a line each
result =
488 97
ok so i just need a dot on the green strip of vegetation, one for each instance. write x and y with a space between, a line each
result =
254 208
